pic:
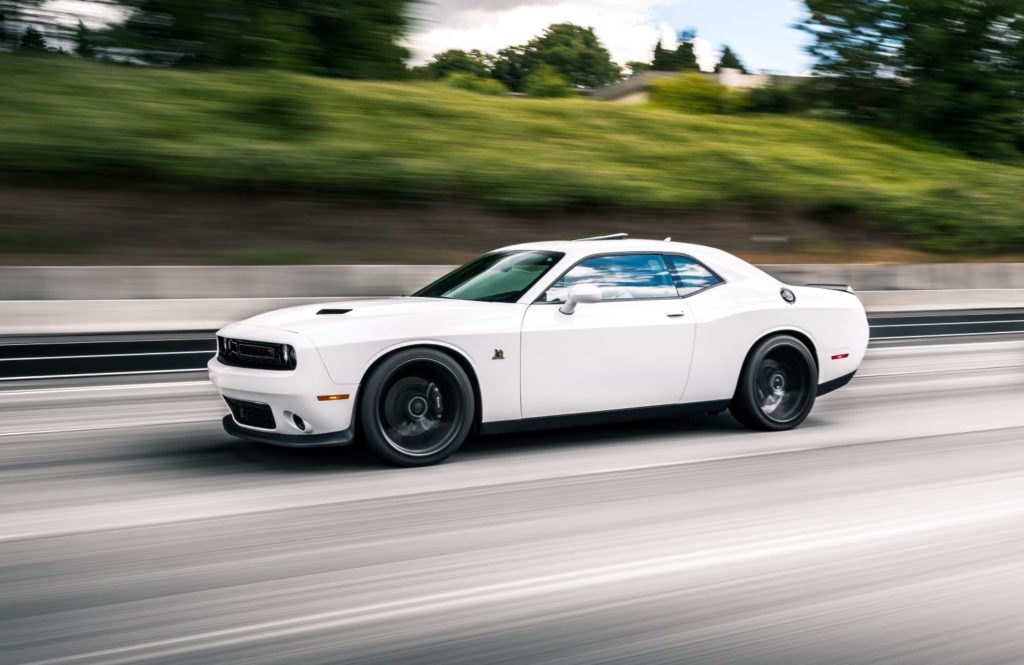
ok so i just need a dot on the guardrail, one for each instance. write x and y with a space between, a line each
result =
122 354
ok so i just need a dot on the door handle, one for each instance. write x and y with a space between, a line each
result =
674 314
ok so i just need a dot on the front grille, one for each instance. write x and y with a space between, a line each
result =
253 414
257 355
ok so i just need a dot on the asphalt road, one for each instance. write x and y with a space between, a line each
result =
889 528
128 354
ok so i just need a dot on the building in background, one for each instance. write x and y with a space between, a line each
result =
636 89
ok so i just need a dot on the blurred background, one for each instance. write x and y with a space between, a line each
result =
384 131
169 166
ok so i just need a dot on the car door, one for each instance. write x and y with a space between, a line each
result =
632 349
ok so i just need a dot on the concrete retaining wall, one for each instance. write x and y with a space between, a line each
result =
68 300
902 277
140 282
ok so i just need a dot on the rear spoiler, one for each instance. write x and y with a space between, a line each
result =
834 287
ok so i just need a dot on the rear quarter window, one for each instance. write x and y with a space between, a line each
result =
689 275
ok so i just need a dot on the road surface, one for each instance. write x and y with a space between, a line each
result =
889 528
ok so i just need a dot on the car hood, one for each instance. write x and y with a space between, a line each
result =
306 318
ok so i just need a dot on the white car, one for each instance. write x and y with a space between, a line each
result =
541 335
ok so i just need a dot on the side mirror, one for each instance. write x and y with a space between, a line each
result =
580 293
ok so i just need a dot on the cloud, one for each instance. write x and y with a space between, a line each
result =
627 28
707 55
93 15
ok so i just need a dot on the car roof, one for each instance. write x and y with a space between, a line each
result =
723 263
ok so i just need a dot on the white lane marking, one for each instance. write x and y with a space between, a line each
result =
110 355
188 337
946 323
110 426
118 386
976 334
541 585
95 374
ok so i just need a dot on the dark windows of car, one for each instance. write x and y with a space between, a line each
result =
495 277
619 277
690 276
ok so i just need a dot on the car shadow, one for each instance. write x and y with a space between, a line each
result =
601 435
356 457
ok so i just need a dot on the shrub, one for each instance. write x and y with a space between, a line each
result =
281 111
546 81
474 83
777 99
694 93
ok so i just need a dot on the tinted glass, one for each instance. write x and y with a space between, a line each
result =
689 275
495 277
623 277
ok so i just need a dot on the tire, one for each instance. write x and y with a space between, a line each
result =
777 386
416 408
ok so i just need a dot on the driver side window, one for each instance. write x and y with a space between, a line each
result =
621 277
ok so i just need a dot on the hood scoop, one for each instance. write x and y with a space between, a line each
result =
333 311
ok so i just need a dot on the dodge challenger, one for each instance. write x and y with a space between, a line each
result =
541 335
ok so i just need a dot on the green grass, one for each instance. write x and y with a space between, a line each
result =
71 121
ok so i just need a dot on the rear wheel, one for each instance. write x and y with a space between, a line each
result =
416 408
777 386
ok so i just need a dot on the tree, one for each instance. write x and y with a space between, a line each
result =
683 58
455 61
664 60
32 40
354 38
686 57
950 68
45 18
730 60
511 67
576 53
83 42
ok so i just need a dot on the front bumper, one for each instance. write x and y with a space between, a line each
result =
289 394
342 438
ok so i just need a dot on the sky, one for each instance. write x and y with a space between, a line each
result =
759 30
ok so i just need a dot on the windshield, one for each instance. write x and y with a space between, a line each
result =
495 277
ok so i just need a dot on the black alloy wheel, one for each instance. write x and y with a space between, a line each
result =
416 408
777 386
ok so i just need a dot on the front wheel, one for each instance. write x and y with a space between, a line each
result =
777 386
416 408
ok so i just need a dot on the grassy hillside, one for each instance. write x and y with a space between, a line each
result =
69 120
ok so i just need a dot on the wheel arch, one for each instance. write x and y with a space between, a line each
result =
455 353
792 332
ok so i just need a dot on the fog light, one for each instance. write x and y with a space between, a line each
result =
299 422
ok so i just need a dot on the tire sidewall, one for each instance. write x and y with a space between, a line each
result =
371 393
750 411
